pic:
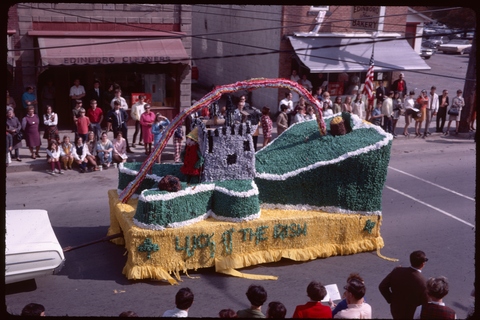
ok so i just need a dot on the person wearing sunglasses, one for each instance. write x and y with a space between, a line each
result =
354 294
405 288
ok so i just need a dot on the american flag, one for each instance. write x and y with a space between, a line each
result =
368 89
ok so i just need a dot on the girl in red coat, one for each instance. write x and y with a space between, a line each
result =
193 159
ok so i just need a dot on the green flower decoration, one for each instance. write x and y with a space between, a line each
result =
369 225
148 246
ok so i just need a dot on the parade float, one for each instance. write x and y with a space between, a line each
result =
315 191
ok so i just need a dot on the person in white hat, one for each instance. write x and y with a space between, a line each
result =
192 159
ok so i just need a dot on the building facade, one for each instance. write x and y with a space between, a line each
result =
142 48
331 45
236 42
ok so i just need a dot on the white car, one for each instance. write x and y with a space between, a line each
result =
31 247
455 46
426 53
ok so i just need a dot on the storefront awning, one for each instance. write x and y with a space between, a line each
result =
59 51
343 54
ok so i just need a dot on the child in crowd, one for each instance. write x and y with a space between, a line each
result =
80 153
177 142
376 117
53 156
276 310
128 314
33 309
76 114
83 123
267 125
183 302
314 308
157 129
66 156
91 144
327 110
192 157
227 313
257 297
104 151
119 149
310 113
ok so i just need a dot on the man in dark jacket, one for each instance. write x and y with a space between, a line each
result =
405 287
117 121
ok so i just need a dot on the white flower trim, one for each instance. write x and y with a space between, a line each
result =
172 225
327 209
172 195
229 219
238 194
131 172
185 223
358 124
210 213
127 171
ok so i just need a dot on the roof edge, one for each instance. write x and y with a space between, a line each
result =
110 34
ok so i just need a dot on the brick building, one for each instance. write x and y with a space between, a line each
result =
332 45
144 48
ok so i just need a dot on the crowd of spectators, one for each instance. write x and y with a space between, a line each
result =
385 109
409 294
405 289
388 106
90 128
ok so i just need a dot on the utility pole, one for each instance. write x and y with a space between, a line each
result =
469 89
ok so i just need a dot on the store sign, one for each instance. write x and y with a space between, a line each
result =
114 60
148 97
366 17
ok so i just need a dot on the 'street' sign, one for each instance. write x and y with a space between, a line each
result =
365 17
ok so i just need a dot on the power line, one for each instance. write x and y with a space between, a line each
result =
174 33
271 51
292 51
202 36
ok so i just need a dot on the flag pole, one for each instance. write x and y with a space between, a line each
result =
369 89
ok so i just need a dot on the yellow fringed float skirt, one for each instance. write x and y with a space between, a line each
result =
293 234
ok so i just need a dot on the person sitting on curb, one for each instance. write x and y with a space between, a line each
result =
53 156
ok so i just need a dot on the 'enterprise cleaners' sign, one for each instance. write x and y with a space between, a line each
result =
366 17
115 60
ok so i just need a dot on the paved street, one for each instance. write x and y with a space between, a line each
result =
428 204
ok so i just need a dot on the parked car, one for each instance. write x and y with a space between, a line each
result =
426 53
455 46
31 247
438 40
429 44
